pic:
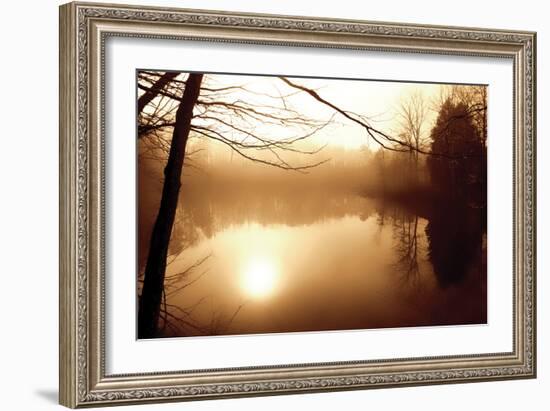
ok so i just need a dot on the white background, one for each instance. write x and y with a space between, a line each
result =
28 217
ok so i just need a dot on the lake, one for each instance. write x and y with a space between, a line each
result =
284 260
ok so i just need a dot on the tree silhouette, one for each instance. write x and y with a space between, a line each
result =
455 133
191 107
412 114
149 304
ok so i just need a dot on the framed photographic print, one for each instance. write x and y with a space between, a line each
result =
259 204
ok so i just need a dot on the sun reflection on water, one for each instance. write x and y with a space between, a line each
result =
259 276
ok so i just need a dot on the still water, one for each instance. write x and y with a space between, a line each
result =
283 261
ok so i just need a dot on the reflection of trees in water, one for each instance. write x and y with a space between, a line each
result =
407 246
212 211
452 235
455 241
436 240
452 239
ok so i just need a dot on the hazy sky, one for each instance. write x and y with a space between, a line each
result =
376 99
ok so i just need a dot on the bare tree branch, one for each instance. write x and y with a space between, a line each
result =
375 134
153 91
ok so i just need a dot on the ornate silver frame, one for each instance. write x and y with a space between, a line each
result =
83 30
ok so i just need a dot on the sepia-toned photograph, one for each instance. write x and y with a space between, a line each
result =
278 204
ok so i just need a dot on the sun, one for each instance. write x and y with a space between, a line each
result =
259 277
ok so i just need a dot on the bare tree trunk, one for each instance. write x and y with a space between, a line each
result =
153 285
